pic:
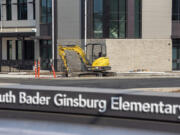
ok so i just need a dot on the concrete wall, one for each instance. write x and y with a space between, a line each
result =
30 22
156 19
151 54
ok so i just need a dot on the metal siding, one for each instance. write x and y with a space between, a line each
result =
69 19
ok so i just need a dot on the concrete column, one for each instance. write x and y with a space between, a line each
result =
3 10
36 49
4 49
13 49
37 4
14 10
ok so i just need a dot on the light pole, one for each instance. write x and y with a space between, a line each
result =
1 15
53 32
85 24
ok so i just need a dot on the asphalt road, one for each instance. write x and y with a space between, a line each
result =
102 83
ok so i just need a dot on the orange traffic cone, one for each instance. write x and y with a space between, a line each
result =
35 68
54 73
39 67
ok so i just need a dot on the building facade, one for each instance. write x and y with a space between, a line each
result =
18 25
139 34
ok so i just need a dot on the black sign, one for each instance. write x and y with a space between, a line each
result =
120 105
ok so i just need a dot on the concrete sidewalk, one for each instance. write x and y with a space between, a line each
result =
123 75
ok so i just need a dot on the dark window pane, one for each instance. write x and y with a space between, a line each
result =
9 49
34 10
98 18
122 19
46 11
117 19
176 10
28 49
114 19
8 10
137 18
49 10
22 9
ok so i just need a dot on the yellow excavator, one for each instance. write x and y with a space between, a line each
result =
97 63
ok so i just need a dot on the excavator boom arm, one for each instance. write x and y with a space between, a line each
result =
74 48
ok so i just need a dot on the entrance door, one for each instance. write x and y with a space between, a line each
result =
176 54
29 50
45 53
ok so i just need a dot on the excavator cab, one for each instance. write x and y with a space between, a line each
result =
95 51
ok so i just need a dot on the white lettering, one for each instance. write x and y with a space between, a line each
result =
33 100
62 100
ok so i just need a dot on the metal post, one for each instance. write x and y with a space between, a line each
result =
85 24
1 15
53 34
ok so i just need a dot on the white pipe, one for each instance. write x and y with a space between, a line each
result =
1 15
85 24
53 34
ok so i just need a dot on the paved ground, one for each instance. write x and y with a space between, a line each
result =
102 83
25 127
31 123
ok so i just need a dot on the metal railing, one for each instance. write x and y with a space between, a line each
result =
16 65
26 65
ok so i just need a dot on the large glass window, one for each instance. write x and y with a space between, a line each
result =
46 11
176 10
22 9
110 18
9 49
8 10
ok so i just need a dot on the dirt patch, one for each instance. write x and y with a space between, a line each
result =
170 90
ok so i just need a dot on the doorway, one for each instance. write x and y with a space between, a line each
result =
28 50
45 53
